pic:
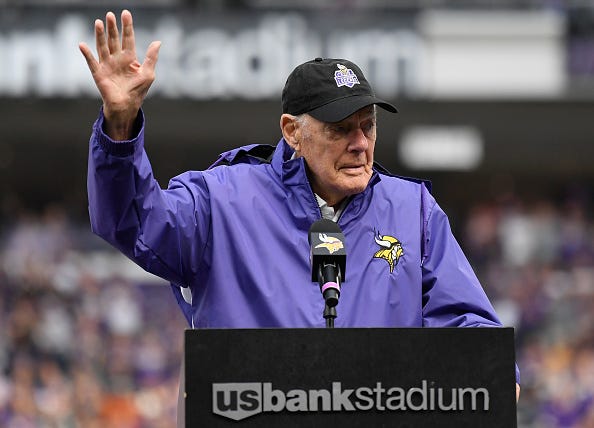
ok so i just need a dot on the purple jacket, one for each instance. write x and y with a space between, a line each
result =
233 241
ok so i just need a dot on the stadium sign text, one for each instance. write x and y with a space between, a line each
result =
238 401
250 62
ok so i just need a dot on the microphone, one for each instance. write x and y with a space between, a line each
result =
328 258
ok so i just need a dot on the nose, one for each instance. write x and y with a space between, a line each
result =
358 141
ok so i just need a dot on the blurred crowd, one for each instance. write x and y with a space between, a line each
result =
86 340
536 262
89 340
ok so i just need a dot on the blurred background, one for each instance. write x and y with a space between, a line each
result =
496 106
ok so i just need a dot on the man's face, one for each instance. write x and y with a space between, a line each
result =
339 155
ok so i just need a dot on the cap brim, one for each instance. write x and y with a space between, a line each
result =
342 108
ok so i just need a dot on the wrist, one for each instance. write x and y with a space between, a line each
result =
119 125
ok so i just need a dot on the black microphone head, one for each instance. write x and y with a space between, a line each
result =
327 245
323 226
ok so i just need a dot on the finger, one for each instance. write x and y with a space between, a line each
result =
517 392
113 35
128 42
152 55
101 42
91 61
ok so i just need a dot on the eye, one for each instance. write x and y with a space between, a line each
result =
339 129
368 128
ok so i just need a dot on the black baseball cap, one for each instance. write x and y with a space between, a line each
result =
329 90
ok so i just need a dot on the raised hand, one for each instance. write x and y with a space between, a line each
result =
122 80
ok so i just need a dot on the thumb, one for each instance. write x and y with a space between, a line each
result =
152 55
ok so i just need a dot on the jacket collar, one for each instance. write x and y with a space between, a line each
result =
291 171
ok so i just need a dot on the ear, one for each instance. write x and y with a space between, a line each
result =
290 130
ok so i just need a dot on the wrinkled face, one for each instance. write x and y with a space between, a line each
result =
339 155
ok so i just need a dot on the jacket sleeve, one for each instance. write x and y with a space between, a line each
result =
163 231
452 294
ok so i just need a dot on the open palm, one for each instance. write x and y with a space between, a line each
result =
122 80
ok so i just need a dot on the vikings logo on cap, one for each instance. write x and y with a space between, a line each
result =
345 77
330 243
390 249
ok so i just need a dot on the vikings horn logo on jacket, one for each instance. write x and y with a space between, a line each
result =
390 249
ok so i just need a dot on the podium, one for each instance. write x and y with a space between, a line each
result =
359 377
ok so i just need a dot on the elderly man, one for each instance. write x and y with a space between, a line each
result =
233 240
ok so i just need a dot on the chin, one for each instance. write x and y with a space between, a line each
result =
354 189
359 183
351 185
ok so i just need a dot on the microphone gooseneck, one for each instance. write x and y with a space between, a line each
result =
329 280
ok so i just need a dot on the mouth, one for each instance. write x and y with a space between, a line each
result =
352 169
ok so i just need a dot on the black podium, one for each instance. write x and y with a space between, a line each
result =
362 377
